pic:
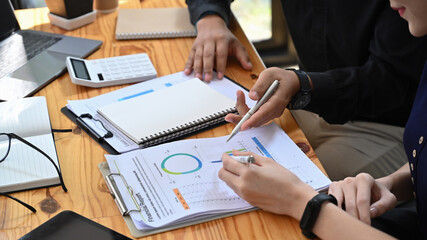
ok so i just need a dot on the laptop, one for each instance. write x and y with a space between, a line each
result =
29 59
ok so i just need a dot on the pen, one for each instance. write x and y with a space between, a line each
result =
244 159
264 98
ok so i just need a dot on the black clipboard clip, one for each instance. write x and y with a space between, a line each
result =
117 196
88 129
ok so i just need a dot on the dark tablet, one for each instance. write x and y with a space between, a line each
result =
70 225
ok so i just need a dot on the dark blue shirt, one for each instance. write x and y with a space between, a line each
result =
415 139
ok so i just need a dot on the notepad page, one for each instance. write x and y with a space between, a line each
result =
166 109
24 167
25 117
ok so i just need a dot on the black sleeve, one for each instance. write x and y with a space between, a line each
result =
198 7
382 88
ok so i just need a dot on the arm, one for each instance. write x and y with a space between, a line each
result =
273 188
369 73
365 197
365 70
343 226
214 41
399 183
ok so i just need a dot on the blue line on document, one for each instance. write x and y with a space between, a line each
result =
135 95
263 149
217 161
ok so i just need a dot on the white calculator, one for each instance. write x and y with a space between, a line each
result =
110 71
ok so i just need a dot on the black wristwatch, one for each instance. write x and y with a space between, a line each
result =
311 213
303 97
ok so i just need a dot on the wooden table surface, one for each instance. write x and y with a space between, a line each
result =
79 155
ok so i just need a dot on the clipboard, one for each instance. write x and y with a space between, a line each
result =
105 171
107 147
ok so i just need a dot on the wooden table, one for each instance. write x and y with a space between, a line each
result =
79 155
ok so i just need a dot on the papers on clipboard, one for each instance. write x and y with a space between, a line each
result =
176 184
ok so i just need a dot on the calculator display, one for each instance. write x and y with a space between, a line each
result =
80 69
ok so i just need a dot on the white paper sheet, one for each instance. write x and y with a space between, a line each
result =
178 181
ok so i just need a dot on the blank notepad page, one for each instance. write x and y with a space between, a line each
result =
24 167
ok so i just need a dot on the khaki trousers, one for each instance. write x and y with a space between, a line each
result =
348 149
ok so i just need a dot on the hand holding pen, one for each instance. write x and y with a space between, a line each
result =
274 85
276 104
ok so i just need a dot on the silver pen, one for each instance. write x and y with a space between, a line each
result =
244 159
264 99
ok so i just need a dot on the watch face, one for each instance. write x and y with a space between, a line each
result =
301 102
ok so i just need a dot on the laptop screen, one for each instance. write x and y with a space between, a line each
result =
8 21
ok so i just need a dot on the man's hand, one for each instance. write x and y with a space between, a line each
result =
213 44
274 107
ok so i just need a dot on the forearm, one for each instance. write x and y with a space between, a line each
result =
334 223
399 183
372 79
370 92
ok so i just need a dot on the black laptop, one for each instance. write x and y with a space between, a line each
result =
29 59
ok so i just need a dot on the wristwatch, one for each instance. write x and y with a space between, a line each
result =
311 213
303 97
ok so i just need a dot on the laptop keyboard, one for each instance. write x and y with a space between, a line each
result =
21 47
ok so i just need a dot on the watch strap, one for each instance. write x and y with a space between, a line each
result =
312 211
304 81
305 87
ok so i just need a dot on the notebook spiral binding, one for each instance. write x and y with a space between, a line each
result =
185 129
123 36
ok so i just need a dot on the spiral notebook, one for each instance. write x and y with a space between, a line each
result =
154 23
169 113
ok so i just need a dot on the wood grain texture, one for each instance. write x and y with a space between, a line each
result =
79 155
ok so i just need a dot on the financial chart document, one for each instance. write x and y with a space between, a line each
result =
178 181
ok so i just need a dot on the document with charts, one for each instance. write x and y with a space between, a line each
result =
178 182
